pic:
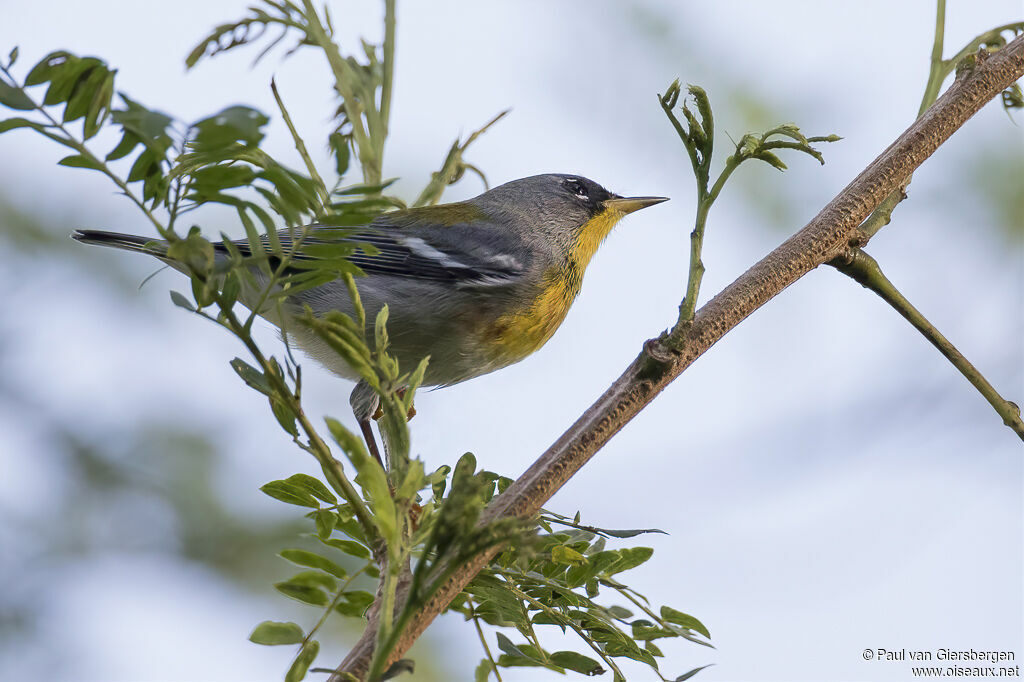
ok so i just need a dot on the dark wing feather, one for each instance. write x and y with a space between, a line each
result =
457 254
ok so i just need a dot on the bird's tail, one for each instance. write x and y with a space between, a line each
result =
128 242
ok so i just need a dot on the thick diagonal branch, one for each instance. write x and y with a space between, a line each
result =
832 231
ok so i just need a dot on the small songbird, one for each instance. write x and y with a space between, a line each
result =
477 285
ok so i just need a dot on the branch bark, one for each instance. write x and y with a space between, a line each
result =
828 235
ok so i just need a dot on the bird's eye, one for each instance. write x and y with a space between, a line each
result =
577 188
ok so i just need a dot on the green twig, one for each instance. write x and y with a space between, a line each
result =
386 630
564 620
975 43
317 447
452 166
483 639
300 146
81 148
705 199
344 78
865 270
939 70
334 602
387 81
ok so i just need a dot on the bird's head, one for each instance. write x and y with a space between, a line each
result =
570 212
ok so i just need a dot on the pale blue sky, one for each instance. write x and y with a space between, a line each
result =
828 481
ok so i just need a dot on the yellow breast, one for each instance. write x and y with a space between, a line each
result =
515 335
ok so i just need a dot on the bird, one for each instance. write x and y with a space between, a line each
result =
474 285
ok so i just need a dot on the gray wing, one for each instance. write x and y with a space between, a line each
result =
458 254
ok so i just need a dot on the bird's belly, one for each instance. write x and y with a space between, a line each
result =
463 341
513 336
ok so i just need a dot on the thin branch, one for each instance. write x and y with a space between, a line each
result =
388 62
827 236
483 639
300 146
865 270
343 79
938 71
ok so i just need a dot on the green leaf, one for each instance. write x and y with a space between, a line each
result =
439 481
350 346
79 161
12 57
483 671
350 547
179 299
628 533
300 666
372 477
354 603
314 579
41 72
65 80
631 557
415 479
272 633
684 620
340 146
87 86
561 554
99 106
619 612
771 159
230 126
313 486
309 559
380 331
252 377
12 123
303 593
506 645
232 288
363 189
285 416
194 251
577 663
15 98
325 521
413 382
290 493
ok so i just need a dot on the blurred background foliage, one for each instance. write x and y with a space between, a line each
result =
89 489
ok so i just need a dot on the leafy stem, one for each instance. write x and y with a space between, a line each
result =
482 638
561 618
300 146
698 137
316 446
388 64
865 270
330 607
939 70
69 140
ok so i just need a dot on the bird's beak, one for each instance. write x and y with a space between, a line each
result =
624 205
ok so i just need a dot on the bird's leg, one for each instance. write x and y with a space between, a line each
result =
371 442
364 405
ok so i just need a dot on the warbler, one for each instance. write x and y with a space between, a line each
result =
476 285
